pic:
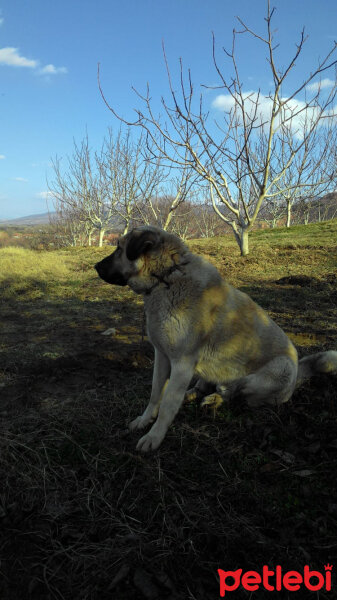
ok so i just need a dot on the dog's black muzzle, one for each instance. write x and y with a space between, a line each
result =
107 272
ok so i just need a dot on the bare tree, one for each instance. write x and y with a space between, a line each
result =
80 194
313 171
207 223
161 209
273 212
184 223
66 226
236 155
307 210
104 189
131 176
327 207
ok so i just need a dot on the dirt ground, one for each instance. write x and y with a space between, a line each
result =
84 516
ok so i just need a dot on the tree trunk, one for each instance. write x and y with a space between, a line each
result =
101 236
173 206
127 224
89 238
241 237
168 220
244 248
288 213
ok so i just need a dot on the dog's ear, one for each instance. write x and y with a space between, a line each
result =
142 242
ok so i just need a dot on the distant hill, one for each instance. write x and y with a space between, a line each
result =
41 219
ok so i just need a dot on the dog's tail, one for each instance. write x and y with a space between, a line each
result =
322 362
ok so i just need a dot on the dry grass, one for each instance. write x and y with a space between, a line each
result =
83 516
25 272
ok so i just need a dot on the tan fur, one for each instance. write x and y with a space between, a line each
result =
199 324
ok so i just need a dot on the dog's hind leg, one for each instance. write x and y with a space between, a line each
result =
272 384
161 373
322 362
201 389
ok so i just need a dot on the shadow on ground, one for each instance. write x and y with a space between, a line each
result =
84 516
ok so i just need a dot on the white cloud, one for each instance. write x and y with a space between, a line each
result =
52 70
296 112
20 179
321 85
1 21
45 195
2 157
12 58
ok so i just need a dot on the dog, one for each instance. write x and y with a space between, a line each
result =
200 325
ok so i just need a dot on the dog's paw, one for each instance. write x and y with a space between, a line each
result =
213 400
150 441
191 395
139 423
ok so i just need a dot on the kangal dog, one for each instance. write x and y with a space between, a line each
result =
199 324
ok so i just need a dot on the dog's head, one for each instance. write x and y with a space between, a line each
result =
141 259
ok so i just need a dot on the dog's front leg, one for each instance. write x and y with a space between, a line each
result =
161 373
181 375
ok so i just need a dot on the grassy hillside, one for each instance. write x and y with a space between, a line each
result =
83 515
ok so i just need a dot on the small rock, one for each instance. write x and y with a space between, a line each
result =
111 331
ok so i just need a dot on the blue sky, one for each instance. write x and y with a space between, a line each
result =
49 52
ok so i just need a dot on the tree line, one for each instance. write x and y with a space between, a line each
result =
267 157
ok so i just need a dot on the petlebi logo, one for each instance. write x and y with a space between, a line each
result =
275 580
